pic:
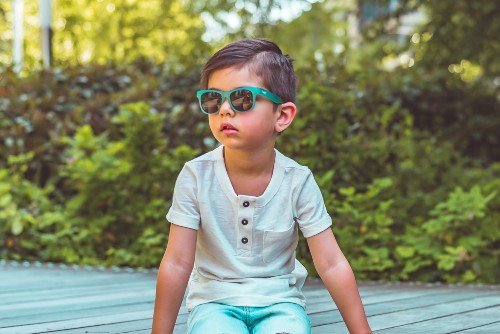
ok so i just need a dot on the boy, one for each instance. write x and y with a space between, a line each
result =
236 211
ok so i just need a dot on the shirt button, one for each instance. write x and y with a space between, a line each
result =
244 222
246 204
244 240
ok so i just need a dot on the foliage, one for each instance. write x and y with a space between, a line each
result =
117 192
37 112
466 119
365 227
381 178
121 187
117 31
29 220
453 69
462 32
234 19
174 32
461 233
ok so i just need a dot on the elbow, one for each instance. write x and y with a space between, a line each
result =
181 266
329 268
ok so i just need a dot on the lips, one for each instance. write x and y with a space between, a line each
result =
227 127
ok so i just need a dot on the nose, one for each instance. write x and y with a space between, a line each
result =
225 108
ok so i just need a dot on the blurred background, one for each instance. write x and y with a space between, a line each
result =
399 120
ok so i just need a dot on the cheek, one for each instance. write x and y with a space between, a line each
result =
260 124
214 125
211 122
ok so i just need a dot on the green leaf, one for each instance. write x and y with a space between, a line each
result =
349 191
405 251
17 226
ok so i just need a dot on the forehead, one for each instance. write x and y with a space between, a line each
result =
233 77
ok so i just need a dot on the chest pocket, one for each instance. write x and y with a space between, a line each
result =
279 243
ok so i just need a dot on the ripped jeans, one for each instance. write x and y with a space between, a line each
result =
281 318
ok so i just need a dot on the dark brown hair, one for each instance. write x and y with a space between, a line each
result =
264 58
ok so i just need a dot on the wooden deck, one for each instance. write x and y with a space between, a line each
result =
43 298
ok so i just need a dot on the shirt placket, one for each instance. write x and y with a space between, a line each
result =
246 208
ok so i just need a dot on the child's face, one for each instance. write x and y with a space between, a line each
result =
250 130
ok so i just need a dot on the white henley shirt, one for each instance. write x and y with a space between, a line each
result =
245 250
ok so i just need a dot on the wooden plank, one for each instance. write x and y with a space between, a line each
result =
70 292
77 323
181 329
43 286
75 314
444 296
74 311
43 281
486 329
125 326
381 297
122 327
416 315
452 323
82 300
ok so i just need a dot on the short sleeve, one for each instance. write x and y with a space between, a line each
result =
185 210
312 216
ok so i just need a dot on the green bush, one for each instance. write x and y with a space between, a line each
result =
382 179
37 112
116 193
30 222
122 188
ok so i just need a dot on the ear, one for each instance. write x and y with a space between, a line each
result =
284 116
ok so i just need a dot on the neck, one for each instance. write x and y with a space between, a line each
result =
249 172
249 163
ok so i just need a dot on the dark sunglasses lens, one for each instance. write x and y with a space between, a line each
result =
242 99
210 102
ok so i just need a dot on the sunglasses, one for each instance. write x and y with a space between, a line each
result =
240 99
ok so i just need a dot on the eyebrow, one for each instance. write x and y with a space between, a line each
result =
213 88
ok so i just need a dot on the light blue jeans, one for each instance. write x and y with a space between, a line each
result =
281 318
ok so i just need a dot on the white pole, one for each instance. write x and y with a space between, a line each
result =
18 42
45 20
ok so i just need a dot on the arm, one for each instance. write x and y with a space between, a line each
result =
173 276
337 275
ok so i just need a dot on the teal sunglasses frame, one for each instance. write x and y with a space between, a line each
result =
226 95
